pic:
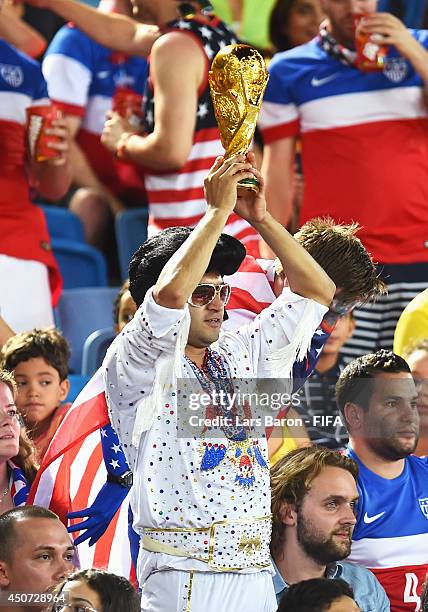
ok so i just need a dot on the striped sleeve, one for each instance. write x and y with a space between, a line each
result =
40 93
68 68
279 116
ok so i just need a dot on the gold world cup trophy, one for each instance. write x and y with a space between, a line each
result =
238 80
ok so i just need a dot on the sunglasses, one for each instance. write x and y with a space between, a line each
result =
205 293
343 308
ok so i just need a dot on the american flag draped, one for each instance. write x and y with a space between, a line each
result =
74 470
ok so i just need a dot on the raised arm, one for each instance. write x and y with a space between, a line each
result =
305 276
132 362
282 333
19 34
177 67
185 269
115 31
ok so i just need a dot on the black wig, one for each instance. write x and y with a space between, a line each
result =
149 260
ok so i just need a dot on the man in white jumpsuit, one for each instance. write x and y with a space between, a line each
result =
201 504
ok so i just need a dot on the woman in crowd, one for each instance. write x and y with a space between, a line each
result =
294 22
17 464
95 590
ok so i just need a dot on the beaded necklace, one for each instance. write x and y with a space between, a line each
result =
213 377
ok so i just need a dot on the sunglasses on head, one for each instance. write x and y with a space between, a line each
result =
343 308
206 292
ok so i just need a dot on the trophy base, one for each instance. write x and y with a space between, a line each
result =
250 184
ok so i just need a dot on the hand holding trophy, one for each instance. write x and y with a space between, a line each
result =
238 80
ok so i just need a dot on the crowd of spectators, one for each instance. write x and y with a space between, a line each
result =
343 157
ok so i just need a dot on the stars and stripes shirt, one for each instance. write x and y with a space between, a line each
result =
177 198
112 451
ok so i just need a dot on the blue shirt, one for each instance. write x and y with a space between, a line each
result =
368 593
391 533
413 11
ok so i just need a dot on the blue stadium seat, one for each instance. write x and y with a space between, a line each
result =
81 265
62 223
77 382
131 232
94 350
81 312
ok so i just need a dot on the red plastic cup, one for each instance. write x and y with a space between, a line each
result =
39 118
370 55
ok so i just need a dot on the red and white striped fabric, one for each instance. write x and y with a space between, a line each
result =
73 472
252 291
177 198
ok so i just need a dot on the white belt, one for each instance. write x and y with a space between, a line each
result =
225 545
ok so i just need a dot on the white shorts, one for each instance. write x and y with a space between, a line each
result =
25 296
181 591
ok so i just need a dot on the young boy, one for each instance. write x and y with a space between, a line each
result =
39 362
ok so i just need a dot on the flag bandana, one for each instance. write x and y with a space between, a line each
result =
334 49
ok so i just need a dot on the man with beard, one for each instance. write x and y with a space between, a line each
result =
314 496
378 399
